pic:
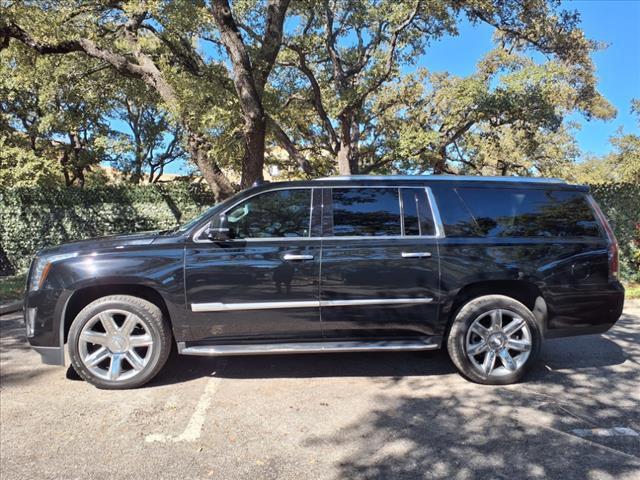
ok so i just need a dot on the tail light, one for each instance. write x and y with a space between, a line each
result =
614 264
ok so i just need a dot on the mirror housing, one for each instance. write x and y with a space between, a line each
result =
218 230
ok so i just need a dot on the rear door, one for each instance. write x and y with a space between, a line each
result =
380 274
263 283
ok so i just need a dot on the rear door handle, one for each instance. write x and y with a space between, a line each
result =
416 254
291 256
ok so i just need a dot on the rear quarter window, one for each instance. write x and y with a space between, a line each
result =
529 212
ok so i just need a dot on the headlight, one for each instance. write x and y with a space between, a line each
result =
41 268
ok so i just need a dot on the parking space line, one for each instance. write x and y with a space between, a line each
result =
606 432
193 430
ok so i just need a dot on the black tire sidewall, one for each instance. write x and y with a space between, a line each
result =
148 312
466 315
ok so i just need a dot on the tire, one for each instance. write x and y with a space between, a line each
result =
119 342
479 354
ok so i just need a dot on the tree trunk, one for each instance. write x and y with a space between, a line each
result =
252 167
348 152
199 151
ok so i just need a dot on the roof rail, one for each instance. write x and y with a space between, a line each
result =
465 178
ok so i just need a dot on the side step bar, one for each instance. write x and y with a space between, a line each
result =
309 347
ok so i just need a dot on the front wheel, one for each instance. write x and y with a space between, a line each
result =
119 342
494 340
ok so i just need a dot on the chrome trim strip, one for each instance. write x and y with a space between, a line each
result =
309 347
230 307
294 257
416 254
373 301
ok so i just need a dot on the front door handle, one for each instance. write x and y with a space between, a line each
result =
291 256
416 254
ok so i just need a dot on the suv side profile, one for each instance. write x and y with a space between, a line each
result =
486 267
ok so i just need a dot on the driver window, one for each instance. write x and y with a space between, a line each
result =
279 213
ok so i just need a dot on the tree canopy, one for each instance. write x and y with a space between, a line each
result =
333 83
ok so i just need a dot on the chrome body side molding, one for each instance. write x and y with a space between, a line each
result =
225 307
309 347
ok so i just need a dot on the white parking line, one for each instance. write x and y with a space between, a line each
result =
606 432
193 429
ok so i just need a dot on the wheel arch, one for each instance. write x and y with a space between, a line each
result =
527 293
84 296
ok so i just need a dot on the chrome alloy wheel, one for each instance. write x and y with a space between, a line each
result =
498 343
115 345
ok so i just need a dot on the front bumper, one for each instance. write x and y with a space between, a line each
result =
44 311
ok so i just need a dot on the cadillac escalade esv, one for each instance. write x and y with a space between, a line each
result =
484 267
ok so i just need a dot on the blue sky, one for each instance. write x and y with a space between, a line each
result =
614 22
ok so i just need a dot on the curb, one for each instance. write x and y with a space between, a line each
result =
11 307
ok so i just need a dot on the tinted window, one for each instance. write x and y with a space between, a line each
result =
456 218
529 213
281 213
366 211
417 213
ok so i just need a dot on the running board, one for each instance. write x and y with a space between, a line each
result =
308 347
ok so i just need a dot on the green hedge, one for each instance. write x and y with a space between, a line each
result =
621 204
31 219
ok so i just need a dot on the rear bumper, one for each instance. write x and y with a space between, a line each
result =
586 312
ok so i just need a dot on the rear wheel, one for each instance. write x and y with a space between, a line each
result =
494 340
119 342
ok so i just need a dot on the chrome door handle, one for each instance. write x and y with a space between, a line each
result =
416 254
291 256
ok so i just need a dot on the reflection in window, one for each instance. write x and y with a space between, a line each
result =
417 213
280 213
366 212
530 213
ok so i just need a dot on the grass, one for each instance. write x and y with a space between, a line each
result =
12 288
632 290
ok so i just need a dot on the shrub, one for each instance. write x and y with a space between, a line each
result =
34 218
621 204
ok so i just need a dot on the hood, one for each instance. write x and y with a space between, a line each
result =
101 243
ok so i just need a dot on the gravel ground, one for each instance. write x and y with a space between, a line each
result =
374 416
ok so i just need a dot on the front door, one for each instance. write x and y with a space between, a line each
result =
380 273
263 283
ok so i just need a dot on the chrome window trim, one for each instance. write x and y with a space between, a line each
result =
231 307
439 229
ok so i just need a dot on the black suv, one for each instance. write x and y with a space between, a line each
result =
486 267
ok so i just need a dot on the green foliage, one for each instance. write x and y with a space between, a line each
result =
34 218
12 288
621 204
621 165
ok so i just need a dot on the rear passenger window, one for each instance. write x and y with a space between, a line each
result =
418 219
529 213
366 212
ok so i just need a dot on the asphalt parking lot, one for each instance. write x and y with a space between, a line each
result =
374 416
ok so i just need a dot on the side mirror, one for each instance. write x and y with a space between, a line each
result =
218 230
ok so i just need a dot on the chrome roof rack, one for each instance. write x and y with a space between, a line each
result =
465 178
